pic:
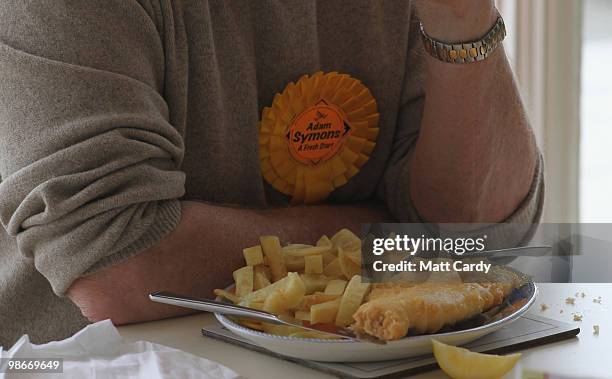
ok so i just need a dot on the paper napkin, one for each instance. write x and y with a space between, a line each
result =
98 351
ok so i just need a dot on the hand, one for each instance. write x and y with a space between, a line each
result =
456 20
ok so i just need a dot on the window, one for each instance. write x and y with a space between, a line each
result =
596 113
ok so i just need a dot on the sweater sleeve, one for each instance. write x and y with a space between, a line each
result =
88 159
394 187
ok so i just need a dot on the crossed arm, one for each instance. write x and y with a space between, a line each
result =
475 157
200 255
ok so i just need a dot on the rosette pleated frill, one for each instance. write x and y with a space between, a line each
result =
316 135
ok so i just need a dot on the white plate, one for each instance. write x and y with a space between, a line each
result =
349 351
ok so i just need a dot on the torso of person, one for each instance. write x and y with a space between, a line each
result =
224 62
243 53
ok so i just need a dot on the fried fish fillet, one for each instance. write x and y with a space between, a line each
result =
423 308
394 309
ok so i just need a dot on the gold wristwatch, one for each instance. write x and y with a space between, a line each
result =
466 52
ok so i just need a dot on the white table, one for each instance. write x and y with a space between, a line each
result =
582 356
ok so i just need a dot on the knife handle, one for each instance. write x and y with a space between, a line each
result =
212 306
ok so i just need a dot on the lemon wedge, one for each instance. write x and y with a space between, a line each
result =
460 363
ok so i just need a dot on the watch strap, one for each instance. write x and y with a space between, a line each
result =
466 52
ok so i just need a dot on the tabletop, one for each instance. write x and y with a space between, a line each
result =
582 356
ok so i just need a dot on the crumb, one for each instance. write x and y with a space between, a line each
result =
582 294
543 307
561 311
570 300
596 330
577 317
597 300
576 294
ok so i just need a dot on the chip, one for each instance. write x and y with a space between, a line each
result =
324 313
243 278
335 287
353 296
313 264
253 255
272 249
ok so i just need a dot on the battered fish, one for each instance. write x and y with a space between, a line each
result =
394 309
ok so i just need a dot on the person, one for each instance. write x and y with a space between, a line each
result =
128 141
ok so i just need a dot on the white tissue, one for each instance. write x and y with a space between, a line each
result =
98 351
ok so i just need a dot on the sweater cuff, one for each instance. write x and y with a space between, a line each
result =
167 219
519 227
515 230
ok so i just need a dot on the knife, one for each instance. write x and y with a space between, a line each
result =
213 306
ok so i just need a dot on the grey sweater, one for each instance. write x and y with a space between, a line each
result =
111 111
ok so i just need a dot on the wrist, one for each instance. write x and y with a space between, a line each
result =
457 20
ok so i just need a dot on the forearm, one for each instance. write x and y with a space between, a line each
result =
201 254
475 157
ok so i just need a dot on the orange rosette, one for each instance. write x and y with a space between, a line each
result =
316 135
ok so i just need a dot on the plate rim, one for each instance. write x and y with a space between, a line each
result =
512 316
